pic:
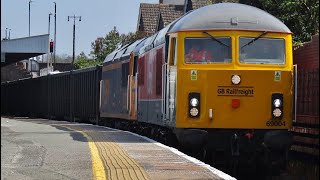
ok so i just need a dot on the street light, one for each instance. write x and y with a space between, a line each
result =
55 33
48 56
29 15
74 30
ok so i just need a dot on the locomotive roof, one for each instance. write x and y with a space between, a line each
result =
229 16
122 51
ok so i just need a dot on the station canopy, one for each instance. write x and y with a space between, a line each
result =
19 49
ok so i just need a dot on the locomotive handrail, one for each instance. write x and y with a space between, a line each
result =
128 82
136 97
167 91
130 92
163 89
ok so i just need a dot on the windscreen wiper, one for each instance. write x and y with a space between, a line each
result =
215 39
253 40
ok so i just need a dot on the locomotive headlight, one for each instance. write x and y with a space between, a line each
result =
194 111
235 79
277 112
194 102
277 103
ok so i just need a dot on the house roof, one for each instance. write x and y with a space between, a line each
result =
175 2
153 17
147 20
170 13
196 4
152 14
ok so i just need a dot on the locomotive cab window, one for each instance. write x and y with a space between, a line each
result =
262 51
207 50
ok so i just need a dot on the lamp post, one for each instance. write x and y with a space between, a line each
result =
48 57
74 31
29 15
55 33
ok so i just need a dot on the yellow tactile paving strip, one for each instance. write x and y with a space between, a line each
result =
109 160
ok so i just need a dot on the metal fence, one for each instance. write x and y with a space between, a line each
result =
72 96
306 127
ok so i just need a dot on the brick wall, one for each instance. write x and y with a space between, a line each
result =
307 56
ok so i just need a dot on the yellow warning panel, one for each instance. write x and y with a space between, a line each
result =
277 76
194 75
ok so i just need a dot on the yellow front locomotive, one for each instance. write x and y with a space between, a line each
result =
231 80
219 79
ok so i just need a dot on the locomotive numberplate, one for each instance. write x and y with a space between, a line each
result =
275 123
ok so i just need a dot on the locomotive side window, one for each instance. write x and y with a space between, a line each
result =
135 65
125 73
207 50
262 51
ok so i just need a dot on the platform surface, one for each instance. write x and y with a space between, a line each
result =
47 149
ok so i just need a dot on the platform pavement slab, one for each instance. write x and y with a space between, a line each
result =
125 155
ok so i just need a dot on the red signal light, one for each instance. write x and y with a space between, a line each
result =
51 46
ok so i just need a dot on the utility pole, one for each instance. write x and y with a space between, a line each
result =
30 62
55 33
29 16
74 33
51 58
48 56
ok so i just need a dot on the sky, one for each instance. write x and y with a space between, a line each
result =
98 17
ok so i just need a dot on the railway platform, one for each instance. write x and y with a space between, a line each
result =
101 152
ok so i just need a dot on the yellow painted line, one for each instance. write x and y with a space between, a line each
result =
119 164
97 164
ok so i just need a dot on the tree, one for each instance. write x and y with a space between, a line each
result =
98 48
101 47
131 37
301 16
111 41
83 61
